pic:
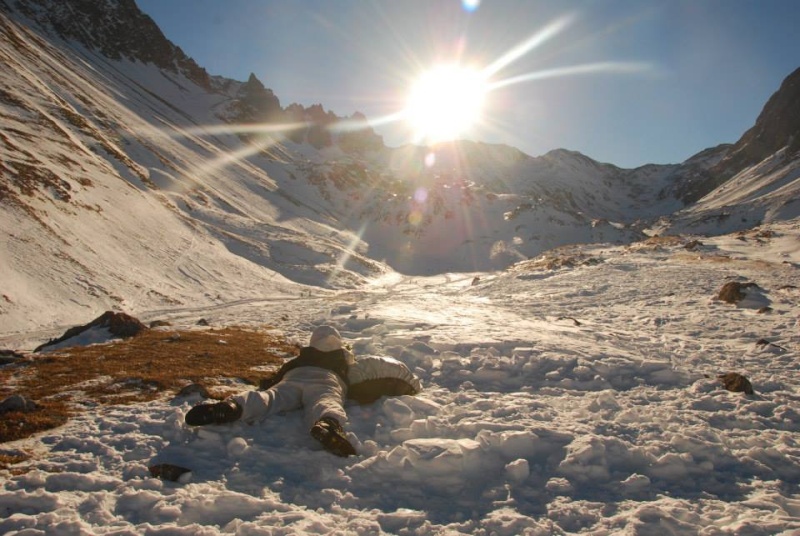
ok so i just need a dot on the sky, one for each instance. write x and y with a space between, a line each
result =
622 81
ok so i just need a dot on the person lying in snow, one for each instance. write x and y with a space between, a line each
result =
316 380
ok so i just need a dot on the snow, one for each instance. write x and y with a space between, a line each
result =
559 397
574 400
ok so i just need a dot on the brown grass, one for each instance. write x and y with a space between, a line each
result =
138 369
657 243
555 261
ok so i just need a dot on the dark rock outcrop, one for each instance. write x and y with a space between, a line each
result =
733 381
733 291
777 126
119 324
168 471
257 104
117 29
18 403
10 356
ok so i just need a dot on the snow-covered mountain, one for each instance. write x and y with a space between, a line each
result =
130 178
758 179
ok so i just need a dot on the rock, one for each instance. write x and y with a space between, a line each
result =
18 403
202 322
574 320
159 324
765 345
168 471
118 324
422 348
776 128
121 324
732 291
10 356
733 381
191 389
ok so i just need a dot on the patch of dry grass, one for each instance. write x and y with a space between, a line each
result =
138 369
554 260
7 460
657 243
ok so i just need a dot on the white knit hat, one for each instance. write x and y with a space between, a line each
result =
326 339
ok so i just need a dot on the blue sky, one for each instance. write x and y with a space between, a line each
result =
668 78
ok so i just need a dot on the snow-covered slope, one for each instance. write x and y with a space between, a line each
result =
766 192
115 196
756 180
572 394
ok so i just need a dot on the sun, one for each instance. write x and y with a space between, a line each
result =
445 102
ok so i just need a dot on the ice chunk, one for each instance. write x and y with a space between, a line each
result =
237 446
518 471
398 412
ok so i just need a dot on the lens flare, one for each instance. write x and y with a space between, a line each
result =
445 102
601 67
430 159
470 5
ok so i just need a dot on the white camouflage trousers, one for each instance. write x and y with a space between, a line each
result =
318 391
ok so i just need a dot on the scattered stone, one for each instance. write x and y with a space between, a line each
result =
10 356
693 245
574 320
732 291
168 471
733 381
18 403
191 389
764 344
159 324
475 280
202 322
764 310
766 233
422 348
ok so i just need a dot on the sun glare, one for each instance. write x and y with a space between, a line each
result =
445 102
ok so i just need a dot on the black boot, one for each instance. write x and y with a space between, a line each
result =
219 413
329 432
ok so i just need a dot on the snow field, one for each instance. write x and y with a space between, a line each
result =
571 401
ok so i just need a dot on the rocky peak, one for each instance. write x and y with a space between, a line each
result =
777 126
115 28
258 103
358 138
